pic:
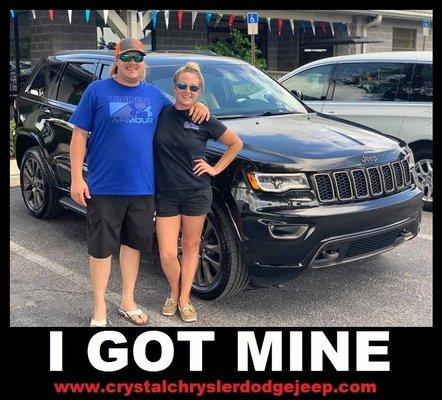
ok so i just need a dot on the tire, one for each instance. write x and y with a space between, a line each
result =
40 196
219 244
424 168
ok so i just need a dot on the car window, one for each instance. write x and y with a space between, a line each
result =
422 86
372 82
105 71
45 82
233 90
74 81
313 82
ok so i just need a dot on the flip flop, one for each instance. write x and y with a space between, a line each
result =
134 313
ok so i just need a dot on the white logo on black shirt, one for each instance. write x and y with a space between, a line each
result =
191 125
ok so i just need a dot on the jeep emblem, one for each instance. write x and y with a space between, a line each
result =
366 159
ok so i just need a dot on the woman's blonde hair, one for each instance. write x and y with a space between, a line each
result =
114 70
193 68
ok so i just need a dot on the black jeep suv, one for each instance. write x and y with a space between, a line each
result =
307 190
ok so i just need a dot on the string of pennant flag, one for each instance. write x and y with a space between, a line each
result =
305 26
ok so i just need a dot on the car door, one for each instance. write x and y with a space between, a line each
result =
313 84
74 80
371 93
418 119
32 102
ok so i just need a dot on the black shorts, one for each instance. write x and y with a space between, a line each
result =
116 220
190 202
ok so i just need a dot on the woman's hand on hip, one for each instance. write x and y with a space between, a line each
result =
202 167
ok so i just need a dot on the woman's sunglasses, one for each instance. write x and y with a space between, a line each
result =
127 57
183 86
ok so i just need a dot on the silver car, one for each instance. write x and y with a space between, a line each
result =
390 92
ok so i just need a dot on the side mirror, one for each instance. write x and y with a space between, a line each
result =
297 93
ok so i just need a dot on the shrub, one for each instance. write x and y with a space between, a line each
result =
238 46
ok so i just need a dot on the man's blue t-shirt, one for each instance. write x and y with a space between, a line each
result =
122 122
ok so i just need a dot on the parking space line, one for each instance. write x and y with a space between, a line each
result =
84 282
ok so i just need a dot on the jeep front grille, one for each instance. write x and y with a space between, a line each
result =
406 169
343 185
374 243
362 183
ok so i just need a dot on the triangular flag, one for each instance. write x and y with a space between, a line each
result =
153 17
166 18
87 14
268 24
312 23
12 13
208 18
194 14
218 19
292 24
105 14
70 16
51 14
33 14
303 26
279 26
332 30
180 18
140 19
231 20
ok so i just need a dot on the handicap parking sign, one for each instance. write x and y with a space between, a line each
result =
426 23
252 18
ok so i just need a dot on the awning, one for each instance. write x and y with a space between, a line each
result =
340 40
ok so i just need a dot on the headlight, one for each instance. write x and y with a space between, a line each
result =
277 183
409 157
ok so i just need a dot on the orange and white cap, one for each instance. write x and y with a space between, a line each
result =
129 44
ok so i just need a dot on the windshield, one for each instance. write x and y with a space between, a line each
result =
233 90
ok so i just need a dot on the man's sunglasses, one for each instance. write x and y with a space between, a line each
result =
183 86
127 57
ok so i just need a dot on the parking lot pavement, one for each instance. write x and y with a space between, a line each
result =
49 285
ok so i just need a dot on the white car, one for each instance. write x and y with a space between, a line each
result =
390 92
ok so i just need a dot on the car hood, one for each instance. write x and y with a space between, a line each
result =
311 142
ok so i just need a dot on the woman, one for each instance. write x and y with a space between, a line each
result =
184 194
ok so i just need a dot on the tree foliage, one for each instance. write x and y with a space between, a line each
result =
237 46
102 44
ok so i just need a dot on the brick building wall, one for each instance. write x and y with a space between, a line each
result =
283 51
385 32
47 37
184 39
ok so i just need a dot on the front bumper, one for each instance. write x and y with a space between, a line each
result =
335 233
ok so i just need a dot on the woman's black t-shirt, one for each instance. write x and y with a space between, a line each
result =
177 143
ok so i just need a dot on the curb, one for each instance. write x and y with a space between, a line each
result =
14 174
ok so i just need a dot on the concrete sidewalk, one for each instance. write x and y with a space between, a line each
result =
14 174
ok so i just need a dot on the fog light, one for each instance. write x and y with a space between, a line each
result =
285 231
330 254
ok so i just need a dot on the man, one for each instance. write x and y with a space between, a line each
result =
121 114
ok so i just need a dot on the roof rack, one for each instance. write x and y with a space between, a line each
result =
203 52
